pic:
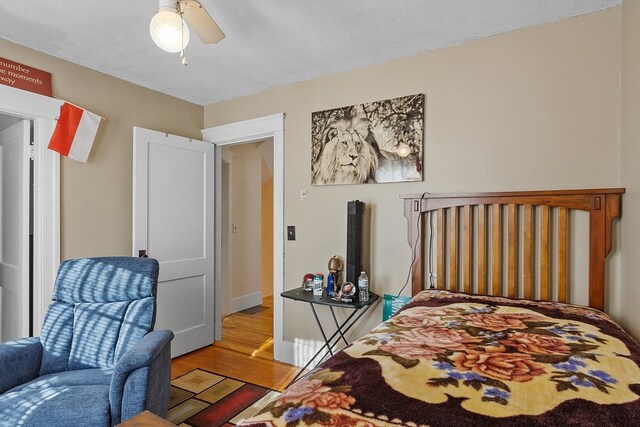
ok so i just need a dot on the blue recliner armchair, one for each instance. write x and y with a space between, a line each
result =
98 361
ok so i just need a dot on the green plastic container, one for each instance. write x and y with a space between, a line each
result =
391 304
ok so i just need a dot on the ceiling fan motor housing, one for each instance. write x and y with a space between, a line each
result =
168 5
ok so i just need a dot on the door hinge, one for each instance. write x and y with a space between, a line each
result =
32 152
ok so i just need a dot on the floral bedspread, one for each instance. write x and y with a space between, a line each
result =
449 359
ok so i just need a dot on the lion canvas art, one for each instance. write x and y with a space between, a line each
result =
368 143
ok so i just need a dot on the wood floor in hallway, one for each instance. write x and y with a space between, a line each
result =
245 352
250 331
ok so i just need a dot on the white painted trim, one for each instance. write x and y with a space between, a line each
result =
225 295
233 133
245 301
272 127
27 104
43 111
299 353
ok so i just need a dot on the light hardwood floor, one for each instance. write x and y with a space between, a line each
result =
250 331
245 352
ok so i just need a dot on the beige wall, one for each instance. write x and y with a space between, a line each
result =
96 196
246 211
630 166
532 109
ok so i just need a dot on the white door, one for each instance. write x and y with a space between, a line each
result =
14 230
173 217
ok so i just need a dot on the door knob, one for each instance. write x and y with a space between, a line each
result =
142 253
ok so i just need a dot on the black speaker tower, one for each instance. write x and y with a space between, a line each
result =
355 211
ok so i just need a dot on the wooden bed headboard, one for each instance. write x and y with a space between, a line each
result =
470 237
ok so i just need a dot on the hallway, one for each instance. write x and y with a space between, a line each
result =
250 331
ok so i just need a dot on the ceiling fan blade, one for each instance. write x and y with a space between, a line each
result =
199 20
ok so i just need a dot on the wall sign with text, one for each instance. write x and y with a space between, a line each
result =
23 77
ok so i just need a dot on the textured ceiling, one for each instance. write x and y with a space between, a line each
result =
269 43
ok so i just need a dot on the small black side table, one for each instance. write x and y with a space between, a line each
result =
359 309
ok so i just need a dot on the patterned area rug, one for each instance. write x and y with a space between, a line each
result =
201 398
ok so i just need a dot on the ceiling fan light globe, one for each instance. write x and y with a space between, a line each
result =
169 31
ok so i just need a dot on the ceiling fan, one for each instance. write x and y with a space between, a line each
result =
169 27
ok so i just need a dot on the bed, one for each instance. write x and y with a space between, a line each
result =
488 337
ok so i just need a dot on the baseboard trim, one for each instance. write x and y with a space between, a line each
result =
298 353
244 302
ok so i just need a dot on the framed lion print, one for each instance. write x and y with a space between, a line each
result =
375 142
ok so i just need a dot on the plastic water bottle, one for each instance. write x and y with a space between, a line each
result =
363 287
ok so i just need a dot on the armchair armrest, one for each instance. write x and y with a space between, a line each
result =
19 362
141 379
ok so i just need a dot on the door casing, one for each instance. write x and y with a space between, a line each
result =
43 111
253 130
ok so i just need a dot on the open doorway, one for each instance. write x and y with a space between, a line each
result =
41 217
258 129
16 228
247 248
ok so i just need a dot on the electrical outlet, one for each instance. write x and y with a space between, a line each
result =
291 232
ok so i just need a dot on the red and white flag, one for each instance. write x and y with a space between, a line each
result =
75 132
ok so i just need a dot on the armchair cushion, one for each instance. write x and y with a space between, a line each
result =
80 377
60 399
111 298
